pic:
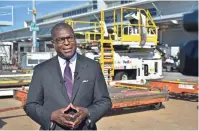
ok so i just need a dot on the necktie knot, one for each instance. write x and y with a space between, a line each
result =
67 62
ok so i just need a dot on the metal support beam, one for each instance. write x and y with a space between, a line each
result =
159 12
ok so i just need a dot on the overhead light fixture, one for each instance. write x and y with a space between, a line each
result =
174 21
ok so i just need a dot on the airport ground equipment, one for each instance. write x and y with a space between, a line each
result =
170 61
137 95
121 96
30 59
182 89
13 81
125 48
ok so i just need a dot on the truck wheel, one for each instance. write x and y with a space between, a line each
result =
121 76
156 106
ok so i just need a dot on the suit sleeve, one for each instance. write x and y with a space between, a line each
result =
35 100
102 102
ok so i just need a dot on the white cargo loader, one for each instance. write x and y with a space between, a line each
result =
126 49
127 68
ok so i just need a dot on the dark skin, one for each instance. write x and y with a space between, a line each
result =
66 50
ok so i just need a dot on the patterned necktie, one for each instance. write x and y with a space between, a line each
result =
68 79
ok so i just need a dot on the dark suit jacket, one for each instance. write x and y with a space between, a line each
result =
47 92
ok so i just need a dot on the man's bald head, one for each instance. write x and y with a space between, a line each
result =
60 26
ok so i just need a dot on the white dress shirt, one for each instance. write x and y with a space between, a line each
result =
72 64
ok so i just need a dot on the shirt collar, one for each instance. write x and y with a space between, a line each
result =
63 61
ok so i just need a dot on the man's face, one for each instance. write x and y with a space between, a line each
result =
64 43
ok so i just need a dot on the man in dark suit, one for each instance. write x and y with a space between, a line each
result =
65 83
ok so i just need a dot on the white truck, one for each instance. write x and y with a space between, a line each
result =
130 67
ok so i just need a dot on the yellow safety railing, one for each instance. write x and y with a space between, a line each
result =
88 36
151 30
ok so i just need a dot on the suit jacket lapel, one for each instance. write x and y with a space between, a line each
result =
80 65
57 77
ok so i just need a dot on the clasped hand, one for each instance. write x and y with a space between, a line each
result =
65 118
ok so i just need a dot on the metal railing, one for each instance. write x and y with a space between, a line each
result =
150 28
88 36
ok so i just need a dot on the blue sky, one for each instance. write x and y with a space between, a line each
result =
43 7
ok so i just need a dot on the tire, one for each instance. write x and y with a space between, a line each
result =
121 75
156 106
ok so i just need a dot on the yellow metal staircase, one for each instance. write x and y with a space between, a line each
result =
106 52
107 59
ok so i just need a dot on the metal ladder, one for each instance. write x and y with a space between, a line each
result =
106 52
107 59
